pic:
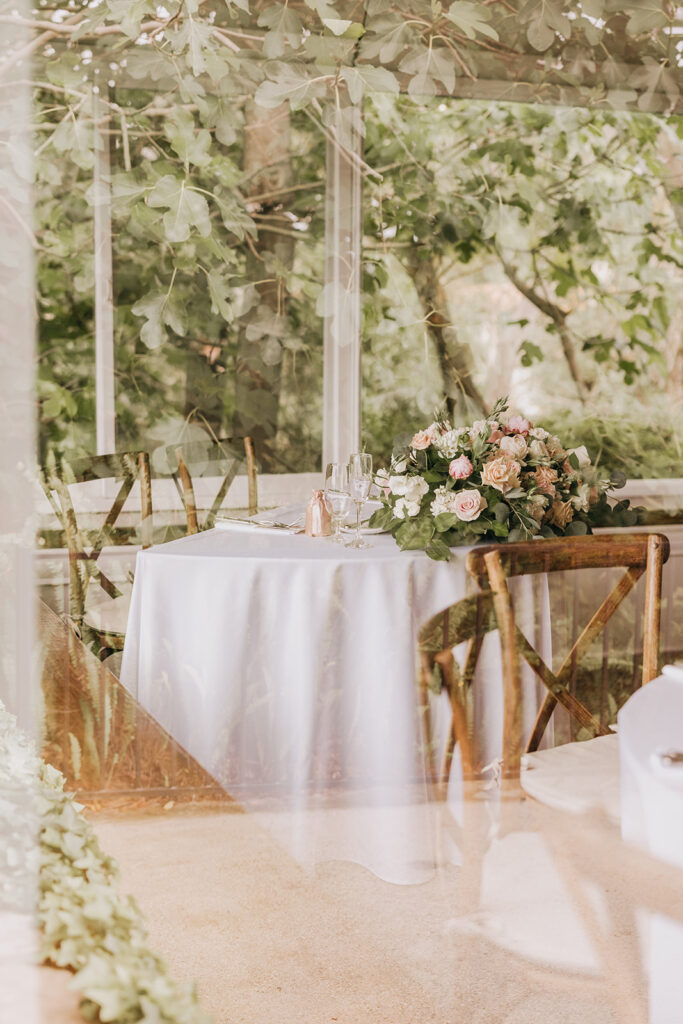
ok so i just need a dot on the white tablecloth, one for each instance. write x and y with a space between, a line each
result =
284 664
652 816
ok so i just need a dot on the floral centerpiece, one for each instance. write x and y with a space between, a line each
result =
500 479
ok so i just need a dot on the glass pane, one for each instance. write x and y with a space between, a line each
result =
526 251
65 279
216 326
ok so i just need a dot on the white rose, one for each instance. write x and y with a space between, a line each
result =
404 508
538 450
581 500
416 488
554 446
447 444
582 455
398 484
537 504
400 466
514 445
539 433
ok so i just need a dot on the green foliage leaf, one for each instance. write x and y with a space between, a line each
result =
471 19
502 512
445 521
360 78
381 518
194 36
415 533
438 550
577 528
530 353
159 310
192 145
220 293
285 29
539 34
186 208
293 82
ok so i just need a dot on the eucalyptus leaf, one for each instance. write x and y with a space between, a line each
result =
414 533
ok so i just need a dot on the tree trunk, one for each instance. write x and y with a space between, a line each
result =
267 167
454 357
559 318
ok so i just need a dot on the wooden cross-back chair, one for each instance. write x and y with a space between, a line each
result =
102 622
492 608
220 459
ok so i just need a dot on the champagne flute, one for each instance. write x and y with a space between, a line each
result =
360 481
337 497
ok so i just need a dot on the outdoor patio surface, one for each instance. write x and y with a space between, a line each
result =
267 941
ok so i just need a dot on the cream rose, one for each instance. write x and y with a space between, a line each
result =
501 472
468 505
515 445
546 477
561 513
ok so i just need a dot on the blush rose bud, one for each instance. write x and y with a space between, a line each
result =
460 468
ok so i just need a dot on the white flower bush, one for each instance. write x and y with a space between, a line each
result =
47 847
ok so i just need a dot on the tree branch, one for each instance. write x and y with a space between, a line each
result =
554 313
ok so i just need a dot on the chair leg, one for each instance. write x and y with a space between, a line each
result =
512 672
653 608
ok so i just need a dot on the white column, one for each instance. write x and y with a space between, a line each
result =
342 309
105 414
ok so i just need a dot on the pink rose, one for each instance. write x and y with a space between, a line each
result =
501 472
496 435
468 505
460 468
518 425
424 438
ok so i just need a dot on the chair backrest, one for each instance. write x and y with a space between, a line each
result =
85 543
217 459
491 566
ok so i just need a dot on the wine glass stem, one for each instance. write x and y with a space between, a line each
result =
359 505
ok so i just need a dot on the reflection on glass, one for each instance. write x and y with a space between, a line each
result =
529 251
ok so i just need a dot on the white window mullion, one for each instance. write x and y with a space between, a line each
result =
105 413
342 330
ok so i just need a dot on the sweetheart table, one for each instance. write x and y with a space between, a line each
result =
286 665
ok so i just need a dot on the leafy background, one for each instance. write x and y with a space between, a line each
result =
522 211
